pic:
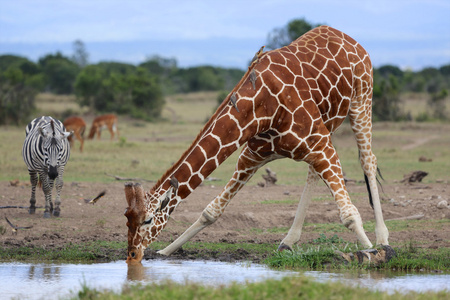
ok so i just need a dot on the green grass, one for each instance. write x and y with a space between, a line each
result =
84 252
409 225
393 226
287 288
317 255
156 146
409 257
200 248
280 202
321 254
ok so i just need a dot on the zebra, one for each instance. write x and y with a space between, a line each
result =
46 151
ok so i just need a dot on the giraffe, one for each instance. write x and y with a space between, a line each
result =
287 105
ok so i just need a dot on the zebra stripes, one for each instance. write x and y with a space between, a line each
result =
46 151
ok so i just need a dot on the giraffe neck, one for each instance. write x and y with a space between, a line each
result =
225 132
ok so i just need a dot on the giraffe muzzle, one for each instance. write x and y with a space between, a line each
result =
135 256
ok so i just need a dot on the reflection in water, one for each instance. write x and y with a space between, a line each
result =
47 272
53 281
136 273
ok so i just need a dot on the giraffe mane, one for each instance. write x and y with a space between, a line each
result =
205 128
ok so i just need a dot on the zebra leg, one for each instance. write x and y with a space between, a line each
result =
59 186
34 181
47 186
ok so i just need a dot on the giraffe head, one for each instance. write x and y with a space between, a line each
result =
147 215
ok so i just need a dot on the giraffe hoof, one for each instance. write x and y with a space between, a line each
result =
32 210
47 215
283 247
56 213
390 252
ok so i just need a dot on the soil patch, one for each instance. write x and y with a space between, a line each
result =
256 215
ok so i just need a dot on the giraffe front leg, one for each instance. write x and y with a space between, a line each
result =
195 228
326 164
295 232
34 181
59 186
248 163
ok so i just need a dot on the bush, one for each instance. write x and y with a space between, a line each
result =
17 98
120 88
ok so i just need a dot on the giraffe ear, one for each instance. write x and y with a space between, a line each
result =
130 195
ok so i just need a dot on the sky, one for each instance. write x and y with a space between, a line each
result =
409 34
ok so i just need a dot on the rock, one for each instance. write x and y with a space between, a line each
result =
424 159
442 204
415 176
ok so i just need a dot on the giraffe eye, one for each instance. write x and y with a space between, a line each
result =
147 222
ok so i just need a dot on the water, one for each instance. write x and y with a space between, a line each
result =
53 281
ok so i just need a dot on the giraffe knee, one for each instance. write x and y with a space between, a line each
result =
351 218
207 218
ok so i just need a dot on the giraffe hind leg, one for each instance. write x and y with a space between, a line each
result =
360 121
326 163
295 232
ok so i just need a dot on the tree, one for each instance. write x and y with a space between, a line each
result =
60 73
32 73
120 88
80 56
17 99
437 104
283 36
386 99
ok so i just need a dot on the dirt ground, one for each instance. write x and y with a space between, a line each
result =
251 217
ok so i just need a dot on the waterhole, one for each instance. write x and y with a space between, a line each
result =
55 281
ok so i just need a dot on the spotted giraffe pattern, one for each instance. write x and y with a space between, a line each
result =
288 104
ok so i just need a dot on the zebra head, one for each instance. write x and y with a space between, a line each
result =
53 146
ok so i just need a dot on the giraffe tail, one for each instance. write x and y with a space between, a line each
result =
368 186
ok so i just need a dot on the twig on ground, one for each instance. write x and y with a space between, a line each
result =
128 179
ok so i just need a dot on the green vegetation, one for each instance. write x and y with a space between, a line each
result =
318 255
155 146
409 257
322 255
83 252
139 91
120 88
286 288
280 37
